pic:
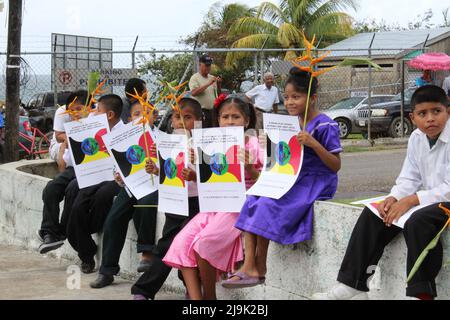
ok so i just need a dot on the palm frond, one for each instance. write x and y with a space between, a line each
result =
234 11
328 8
289 35
271 12
332 23
251 41
251 25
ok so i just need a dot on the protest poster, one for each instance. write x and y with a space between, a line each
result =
90 157
283 158
373 204
172 159
130 150
220 174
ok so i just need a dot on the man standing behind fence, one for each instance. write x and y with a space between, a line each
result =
446 87
205 88
266 98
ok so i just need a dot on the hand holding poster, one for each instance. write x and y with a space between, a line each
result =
129 153
373 204
172 159
283 157
92 162
220 175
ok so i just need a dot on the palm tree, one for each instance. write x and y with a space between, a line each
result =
282 26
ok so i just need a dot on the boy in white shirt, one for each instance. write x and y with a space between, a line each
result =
424 180
52 231
92 204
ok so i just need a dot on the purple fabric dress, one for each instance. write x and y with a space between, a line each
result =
289 220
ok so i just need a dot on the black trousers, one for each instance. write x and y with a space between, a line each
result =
370 236
151 281
54 192
116 227
88 214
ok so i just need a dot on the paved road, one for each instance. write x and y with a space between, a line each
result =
27 275
369 173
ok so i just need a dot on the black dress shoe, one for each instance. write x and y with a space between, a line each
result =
50 243
88 267
103 280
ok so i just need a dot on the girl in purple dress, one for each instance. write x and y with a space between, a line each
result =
289 220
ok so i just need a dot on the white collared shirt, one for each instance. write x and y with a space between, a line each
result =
426 172
264 98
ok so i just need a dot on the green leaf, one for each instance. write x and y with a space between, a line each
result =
94 78
425 252
359 61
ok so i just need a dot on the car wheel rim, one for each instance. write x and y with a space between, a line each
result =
398 128
343 129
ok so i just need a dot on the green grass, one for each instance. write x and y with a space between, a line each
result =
355 136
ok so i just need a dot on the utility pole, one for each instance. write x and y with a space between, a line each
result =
13 80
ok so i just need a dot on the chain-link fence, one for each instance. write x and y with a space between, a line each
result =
46 75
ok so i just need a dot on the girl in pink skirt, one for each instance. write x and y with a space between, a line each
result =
210 244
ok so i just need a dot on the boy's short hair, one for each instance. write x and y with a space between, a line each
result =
81 95
194 104
429 93
135 83
112 102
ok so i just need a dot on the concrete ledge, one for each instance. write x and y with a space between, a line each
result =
377 142
294 272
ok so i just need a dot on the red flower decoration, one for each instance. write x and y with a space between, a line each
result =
221 98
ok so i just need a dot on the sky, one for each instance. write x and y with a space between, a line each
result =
160 24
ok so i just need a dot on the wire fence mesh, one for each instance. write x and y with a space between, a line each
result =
48 72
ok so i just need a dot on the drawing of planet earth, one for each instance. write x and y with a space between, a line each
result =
283 154
219 164
170 168
135 155
90 147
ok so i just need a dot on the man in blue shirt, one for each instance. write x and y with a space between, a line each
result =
425 79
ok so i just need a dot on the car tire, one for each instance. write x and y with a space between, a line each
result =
345 128
395 130
48 126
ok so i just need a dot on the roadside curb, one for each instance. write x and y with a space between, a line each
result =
377 142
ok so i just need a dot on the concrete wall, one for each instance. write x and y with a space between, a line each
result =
295 272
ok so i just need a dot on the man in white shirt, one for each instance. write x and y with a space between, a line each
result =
424 180
266 98
446 87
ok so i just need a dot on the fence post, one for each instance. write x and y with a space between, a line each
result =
55 73
133 54
369 124
402 97
256 69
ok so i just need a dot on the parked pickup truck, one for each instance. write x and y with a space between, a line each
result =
41 108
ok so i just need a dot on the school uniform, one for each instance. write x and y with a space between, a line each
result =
152 280
426 172
89 211
53 193
116 227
